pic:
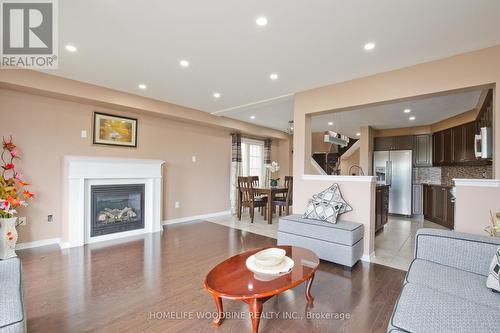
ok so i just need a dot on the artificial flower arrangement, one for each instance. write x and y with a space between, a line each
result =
494 228
13 192
272 168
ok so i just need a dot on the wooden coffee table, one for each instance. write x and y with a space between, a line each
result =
232 280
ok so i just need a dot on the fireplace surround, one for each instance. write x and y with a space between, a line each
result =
82 173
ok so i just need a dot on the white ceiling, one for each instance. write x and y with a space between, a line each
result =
391 115
309 43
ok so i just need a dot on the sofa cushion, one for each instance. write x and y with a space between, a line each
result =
11 299
343 232
465 285
422 309
493 282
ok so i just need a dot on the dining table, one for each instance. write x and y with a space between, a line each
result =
270 192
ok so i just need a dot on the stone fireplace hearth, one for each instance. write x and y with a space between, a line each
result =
109 198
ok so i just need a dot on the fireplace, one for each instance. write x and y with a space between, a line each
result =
116 208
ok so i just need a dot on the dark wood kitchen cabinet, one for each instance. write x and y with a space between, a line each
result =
469 133
455 146
404 142
381 207
422 150
437 149
384 143
438 207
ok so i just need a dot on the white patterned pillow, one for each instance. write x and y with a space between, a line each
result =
492 281
327 205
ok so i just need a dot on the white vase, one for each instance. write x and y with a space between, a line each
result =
8 238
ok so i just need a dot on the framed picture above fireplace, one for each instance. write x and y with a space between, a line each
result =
114 130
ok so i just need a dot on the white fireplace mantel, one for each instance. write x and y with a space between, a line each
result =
81 172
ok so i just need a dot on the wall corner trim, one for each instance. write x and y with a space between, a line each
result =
368 257
367 179
476 182
196 217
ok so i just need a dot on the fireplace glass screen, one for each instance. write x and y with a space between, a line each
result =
116 208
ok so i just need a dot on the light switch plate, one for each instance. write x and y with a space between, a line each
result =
193 158
177 204
84 134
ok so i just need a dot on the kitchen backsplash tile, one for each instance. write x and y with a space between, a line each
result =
427 175
472 172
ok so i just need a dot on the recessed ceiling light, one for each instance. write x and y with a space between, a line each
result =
142 86
184 63
261 21
358 134
412 118
71 48
252 117
369 46
330 123
407 110
216 95
273 76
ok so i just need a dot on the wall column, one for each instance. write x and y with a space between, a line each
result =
366 150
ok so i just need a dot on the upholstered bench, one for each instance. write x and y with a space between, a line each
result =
11 299
341 243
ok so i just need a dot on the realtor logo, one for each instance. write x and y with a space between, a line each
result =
29 34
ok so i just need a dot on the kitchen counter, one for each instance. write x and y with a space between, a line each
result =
432 184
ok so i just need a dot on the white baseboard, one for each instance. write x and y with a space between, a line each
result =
197 217
367 257
64 245
43 242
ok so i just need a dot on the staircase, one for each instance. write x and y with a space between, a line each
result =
329 161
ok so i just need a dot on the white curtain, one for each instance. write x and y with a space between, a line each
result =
235 170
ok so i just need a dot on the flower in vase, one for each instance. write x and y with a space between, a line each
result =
7 144
4 204
27 194
13 153
273 167
8 166
18 175
22 183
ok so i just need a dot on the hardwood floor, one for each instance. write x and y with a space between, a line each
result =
154 283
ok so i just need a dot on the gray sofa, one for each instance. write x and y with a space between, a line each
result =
445 287
341 243
12 319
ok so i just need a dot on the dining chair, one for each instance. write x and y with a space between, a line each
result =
248 198
285 200
255 184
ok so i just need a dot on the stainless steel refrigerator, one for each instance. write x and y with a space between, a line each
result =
394 168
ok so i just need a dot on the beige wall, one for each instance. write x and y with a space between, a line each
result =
46 129
473 206
318 143
475 69
403 131
366 149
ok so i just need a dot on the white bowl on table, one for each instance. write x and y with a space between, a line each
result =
270 257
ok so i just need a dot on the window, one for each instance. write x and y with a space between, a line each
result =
252 154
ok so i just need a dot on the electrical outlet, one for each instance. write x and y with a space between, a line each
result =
50 218
22 220
193 158
177 204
